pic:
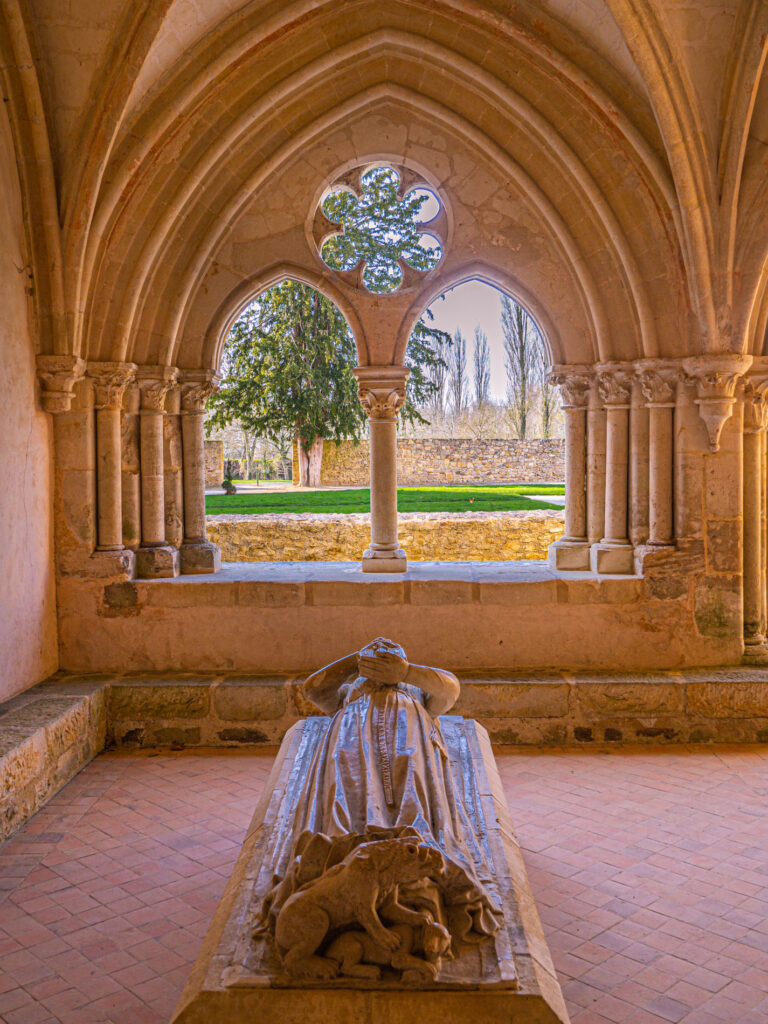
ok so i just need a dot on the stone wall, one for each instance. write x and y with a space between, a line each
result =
28 649
214 463
450 461
425 536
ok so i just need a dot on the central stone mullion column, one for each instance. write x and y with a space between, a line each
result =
614 554
155 558
382 393
198 554
572 552
109 382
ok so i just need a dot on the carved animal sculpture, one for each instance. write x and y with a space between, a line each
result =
358 955
350 894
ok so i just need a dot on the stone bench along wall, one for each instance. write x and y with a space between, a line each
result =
450 461
425 536
50 732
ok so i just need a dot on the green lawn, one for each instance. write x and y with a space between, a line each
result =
495 498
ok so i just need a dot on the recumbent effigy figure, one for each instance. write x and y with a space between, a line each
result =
385 872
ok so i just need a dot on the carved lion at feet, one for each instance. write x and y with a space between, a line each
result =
350 895
359 956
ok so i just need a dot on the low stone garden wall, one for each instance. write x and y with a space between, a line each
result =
425 536
449 460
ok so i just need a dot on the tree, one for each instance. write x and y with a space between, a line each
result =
291 355
482 368
523 362
457 369
549 405
288 367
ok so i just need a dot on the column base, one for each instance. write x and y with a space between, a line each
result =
157 563
612 559
118 564
199 558
755 651
385 561
569 555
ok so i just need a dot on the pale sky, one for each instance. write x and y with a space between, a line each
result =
464 307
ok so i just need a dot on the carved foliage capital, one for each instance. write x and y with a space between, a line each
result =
155 388
381 403
755 409
195 393
574 387
109 383
614 385
58 376
659 384
381 390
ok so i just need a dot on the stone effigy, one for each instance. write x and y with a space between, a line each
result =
380 878
380 826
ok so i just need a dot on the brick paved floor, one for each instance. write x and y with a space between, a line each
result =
649 867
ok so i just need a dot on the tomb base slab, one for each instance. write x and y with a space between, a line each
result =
236 979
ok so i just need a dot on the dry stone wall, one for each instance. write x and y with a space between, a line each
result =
425 536
450 461
214 463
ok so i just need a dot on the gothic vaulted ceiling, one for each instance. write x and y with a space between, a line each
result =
605 161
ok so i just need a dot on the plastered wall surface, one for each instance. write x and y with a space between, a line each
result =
28 649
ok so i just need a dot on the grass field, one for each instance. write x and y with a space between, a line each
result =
492 498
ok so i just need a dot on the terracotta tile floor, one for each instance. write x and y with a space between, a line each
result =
650 869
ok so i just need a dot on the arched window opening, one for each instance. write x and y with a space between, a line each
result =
287 379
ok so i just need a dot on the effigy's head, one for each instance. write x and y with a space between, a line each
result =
381 646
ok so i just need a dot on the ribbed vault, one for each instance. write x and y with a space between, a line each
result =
213 178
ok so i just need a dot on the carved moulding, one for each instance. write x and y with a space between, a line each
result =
715 378
508 977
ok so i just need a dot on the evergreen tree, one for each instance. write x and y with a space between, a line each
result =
288 366
380 227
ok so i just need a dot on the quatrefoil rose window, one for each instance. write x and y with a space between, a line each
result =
379 229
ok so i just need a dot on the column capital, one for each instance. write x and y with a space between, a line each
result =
381 390
155 382
58 376
658 381
574 383
197 386
614 384
715 378
755 407
109 383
